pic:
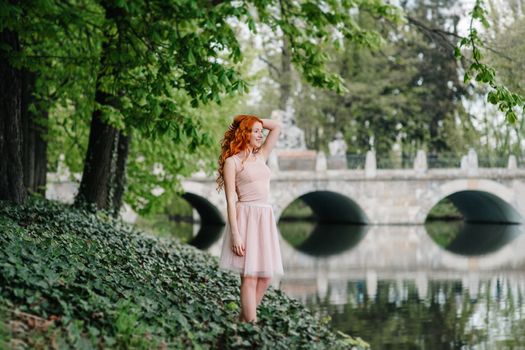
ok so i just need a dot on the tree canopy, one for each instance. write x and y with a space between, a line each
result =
159 70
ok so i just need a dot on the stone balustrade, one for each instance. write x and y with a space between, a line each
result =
307 160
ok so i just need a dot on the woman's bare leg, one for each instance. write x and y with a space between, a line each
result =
262 285
248 299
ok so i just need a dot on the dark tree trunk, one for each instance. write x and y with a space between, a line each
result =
11 174
119 183
94 186
103 181
34 146
286 72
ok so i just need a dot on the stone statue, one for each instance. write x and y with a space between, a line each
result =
291 149
338 146
291 136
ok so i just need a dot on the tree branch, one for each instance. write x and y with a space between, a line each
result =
443 35
270 64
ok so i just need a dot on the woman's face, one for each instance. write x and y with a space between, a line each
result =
257 135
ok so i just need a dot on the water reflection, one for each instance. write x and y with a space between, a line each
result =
206 236
398 289
395 287
449 317
472 239
320 239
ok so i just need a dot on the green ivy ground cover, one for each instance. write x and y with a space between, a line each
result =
106 285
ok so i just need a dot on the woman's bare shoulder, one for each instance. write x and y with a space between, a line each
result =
230 161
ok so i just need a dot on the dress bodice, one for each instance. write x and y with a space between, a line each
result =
252 179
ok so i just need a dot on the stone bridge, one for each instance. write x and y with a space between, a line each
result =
394 202
381 196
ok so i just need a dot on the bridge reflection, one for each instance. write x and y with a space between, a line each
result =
206 235
472 239
399 252
325 239
335 288
433 245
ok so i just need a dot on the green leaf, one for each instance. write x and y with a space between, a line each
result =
466 78
492 97
477 54
232 306
511 117
457 52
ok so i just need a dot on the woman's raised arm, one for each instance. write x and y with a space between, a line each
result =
271 140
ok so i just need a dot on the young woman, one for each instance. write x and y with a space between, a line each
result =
251 242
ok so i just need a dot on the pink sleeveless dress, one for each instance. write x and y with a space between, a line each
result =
255 222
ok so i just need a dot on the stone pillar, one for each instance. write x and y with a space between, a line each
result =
371 283
320 162
63 173
397 156
370 164
472 162
472 157
420 162
513 163
422 285
322 285
464 163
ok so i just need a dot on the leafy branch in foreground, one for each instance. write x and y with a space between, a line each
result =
507 101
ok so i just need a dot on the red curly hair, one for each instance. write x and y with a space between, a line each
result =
235 140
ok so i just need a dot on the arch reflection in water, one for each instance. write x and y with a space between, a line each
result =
322 239
472 239
212 222
398 289
207 236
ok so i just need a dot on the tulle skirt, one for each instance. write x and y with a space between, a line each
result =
258 231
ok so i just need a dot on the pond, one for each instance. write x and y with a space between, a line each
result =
438 286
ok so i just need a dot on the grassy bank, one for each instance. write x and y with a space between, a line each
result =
73 279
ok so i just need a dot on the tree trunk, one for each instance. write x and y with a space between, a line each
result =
11 174
286 72
94 186
106 155
34 146
119 183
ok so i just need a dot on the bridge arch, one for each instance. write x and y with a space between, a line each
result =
330 207
480 201
208 212
203 198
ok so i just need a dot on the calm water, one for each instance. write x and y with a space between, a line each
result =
439 286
